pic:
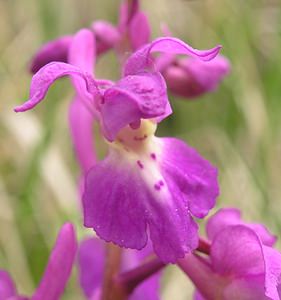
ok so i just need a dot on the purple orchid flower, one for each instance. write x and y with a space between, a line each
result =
56 274
91 259
144 181
242 264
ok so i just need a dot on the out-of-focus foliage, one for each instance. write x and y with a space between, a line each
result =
238 127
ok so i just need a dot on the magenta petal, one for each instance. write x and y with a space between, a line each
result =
82 55
140 60
173 232
118 203
198 296
195 176
91 259
136 97
221 219
237 251
246 288
264 234
113 204
139 30
127 11
231 216
59 266
81 126
43 79
272 259
192 77
7 286
56 50
82 50
106 34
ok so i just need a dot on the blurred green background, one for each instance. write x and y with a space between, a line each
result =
237 127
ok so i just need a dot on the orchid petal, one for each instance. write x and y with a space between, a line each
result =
237 251
56 50
42 80
231 216
272 259
82 50
198 296
114 207
141 96
139 30
195 176
81 127
151 197
192 77
126 13
106 34
246 288
7 286
91 259
59 266
140 60
82 55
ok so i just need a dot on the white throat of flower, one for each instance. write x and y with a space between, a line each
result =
142 151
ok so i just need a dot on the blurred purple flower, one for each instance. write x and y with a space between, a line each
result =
91 259
232 216
56 274
190 77
240 265
132 32
56 50
144 181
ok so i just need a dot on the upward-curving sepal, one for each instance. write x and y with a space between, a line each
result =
46 76
141 59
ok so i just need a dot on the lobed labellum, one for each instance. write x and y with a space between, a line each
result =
155 184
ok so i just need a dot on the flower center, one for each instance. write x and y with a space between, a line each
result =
136 140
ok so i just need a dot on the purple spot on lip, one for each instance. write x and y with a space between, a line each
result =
136 138
158 185
140 164
153 156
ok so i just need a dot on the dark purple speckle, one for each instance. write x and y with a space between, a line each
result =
157 187
140 164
